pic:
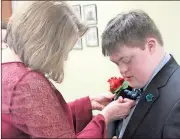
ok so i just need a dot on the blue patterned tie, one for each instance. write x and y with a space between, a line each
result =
129 93
134 94
117 125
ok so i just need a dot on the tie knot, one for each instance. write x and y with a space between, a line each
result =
132 94
138 90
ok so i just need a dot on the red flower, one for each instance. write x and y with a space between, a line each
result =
115 83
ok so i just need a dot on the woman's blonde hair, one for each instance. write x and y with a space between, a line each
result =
42 33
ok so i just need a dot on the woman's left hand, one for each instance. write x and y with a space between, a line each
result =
98 103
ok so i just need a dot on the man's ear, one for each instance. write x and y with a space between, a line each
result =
151 45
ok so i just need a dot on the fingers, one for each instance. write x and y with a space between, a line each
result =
128 100
131 102
120 99
99 106
110 97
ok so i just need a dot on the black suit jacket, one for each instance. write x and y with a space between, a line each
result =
159 118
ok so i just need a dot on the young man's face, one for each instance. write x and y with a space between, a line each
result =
135 65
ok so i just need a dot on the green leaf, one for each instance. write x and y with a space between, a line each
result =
118 89
123 86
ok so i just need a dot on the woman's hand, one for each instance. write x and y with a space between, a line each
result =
98 103
118 109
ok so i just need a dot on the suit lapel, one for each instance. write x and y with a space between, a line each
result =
143 106
140 111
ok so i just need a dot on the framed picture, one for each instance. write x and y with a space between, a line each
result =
91 37
78 45
77 10
90 14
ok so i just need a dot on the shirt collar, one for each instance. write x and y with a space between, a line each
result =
163 62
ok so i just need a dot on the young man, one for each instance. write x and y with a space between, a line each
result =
135 45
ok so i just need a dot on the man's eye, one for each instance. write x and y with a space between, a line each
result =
126 60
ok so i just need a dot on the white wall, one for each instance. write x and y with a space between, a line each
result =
87 71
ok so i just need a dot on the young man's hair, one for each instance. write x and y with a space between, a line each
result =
130 29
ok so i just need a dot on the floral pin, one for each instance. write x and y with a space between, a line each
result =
117 85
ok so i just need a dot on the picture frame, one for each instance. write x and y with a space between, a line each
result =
92 37
77 10
78 45
90 14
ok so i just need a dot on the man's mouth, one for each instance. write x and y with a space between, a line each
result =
128 78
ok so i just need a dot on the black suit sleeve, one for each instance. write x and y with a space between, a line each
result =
172 124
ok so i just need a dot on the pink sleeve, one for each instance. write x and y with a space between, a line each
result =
82 113
95 129
37 111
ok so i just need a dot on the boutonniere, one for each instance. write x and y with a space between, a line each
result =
117 85
120 87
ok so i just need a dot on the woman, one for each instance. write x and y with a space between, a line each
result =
39 36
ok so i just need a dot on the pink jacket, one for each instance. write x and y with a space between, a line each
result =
33 107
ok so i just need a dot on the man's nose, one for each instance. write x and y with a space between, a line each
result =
123 69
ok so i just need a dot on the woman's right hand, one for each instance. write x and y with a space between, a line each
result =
118 109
